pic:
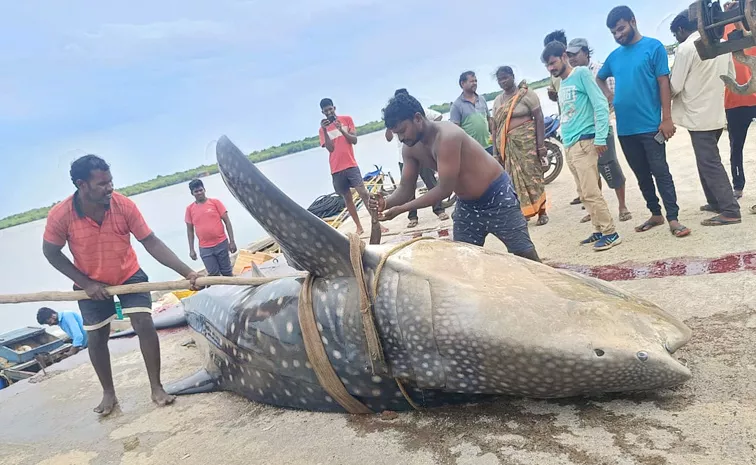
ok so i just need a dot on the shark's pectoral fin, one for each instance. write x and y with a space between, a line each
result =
200 382
308 243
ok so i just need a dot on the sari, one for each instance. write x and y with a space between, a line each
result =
518 154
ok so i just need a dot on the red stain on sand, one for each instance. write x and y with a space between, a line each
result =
682 266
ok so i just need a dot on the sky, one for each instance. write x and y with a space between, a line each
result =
149 86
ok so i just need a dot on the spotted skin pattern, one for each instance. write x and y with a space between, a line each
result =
457 323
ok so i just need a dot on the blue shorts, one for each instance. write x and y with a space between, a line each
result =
496 212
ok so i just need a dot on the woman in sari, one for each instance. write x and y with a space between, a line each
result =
519 142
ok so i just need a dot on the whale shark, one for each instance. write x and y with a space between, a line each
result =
457 323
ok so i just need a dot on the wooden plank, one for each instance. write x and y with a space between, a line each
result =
71 296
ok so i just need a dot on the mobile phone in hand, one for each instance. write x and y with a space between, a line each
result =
659 138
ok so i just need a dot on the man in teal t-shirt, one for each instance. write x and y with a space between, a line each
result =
585 127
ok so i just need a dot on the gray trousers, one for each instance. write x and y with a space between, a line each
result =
217 260
429 178
714 179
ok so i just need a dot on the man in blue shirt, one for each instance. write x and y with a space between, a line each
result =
585 128
70 322
642 103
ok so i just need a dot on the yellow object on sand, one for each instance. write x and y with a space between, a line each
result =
182 294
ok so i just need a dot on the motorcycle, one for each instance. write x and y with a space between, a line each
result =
554 149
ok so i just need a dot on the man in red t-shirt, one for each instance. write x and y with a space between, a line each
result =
740 110
338 135
97 224
206 217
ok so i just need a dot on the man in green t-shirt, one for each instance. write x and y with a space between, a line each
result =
470 111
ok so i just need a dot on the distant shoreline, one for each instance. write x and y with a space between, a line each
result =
270 153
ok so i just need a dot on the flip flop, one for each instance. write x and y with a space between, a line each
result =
542 220
443 216
708 208
648 224
680 231
412 224
753 209
576 201
719 221
625 216
586 219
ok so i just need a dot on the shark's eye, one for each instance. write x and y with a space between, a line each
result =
642 356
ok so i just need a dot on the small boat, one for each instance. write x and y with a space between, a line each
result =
26 351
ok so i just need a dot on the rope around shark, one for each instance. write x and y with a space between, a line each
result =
314 345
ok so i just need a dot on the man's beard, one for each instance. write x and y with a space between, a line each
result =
418 137
630 37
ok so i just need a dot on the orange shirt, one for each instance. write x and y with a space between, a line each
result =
206 219
742 75
102 252
342 156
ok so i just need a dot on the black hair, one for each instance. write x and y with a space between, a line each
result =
588 51
505 70
464 76
559 36
195 183
44 314
82 168
326 102
682 21
553 49
401 107
400 91
617 14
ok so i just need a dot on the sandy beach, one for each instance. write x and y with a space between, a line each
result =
709 420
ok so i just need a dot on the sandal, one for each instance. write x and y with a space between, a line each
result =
648 224
719 221
412 224
576 201
708 208
680 231
542 220
625 216
753 209
586 219
443 216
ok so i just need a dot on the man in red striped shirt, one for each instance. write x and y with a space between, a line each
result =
97 223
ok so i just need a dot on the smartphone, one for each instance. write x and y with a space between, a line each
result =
659 138
332 118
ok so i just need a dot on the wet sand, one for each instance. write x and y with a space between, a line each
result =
709 420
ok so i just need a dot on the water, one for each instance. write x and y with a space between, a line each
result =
302 176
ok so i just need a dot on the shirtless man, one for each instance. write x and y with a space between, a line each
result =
486 199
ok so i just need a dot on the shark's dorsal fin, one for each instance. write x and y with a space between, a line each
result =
308 243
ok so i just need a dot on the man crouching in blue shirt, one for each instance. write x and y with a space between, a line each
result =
70 322
585 128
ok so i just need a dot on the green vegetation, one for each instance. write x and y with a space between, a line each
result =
206 170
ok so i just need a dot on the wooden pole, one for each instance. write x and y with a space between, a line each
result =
71 296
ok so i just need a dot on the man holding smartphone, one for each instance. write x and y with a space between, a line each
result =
338 135
642 104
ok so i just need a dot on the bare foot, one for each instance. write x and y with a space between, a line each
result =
160 397
384 229
109 402
360 231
